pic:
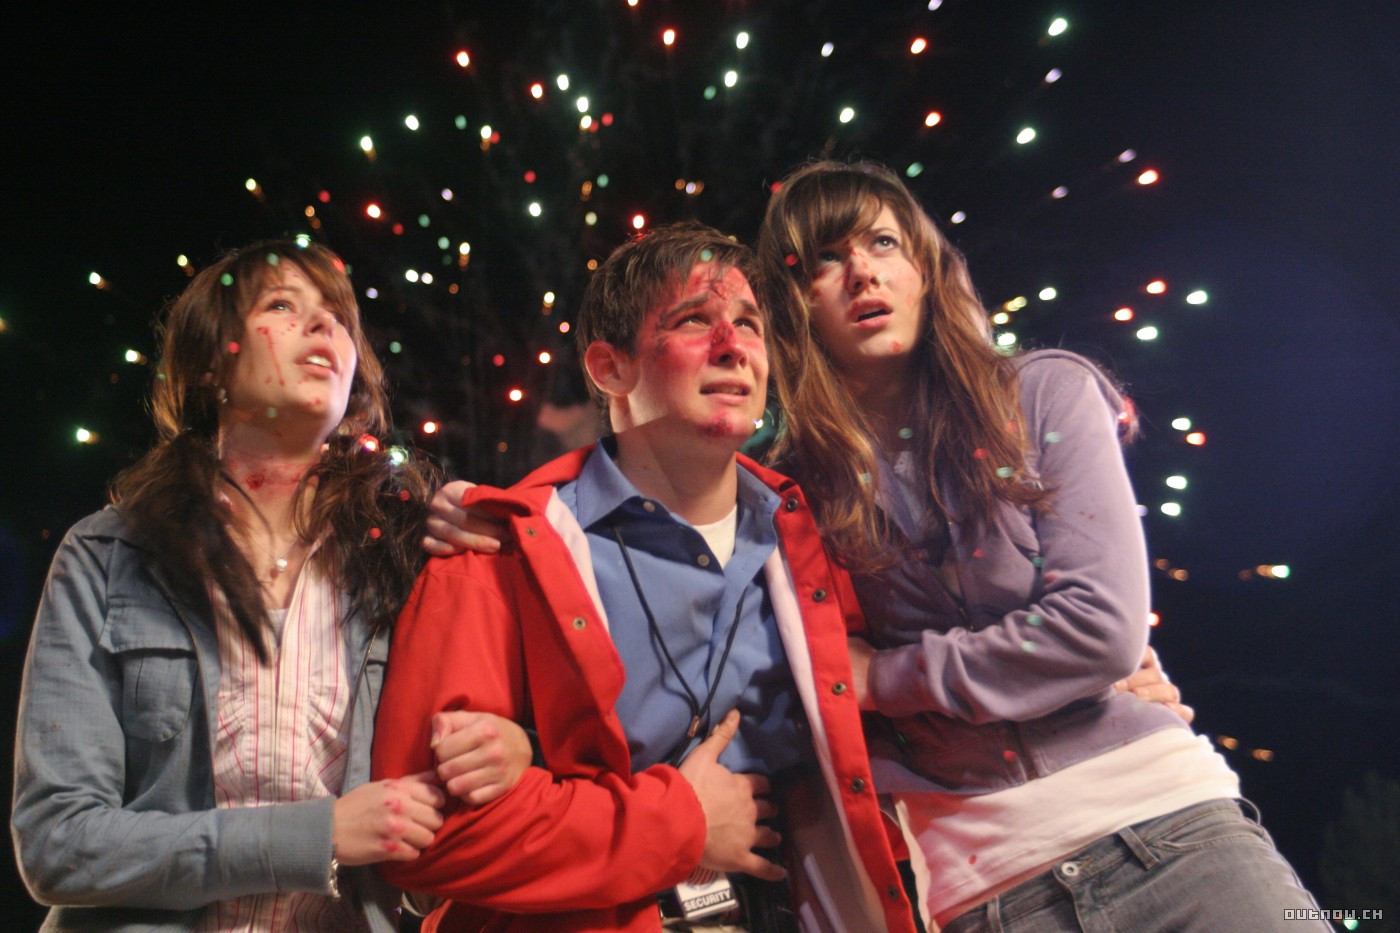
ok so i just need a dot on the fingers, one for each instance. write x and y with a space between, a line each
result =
1164 693
393 819
758 784
1187 713
445 536
466 742
415 823
456 727
720 737
480 756
435 548
406 841
410 824
415 797
421 787
465 774
766 809
451 529
449 497
480 796
760 867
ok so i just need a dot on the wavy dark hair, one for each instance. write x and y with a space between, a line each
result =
965 411
369 510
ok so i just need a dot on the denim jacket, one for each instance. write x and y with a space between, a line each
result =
114 818
1000 659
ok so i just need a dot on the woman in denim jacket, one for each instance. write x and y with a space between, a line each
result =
983 503
200 691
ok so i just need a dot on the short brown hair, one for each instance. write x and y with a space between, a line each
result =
638 274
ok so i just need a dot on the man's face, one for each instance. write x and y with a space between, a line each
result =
701 364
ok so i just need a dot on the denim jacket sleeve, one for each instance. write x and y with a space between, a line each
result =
1083 624
113 800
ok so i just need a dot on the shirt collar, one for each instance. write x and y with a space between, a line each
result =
602 489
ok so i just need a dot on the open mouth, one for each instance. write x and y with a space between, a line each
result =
316 359
872 314
725 390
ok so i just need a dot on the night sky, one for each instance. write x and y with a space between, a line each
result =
130 136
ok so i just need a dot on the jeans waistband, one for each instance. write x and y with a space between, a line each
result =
1103 854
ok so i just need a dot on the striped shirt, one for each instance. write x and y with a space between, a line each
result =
281 739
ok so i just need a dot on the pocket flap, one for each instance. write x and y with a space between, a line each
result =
143 627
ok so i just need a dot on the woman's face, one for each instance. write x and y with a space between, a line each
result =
866 299
296 361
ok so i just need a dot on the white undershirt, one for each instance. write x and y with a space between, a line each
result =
720 535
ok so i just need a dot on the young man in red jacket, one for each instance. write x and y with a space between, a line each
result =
668 623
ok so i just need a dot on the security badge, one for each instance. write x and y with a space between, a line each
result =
704 894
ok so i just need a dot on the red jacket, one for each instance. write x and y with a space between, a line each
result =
586 844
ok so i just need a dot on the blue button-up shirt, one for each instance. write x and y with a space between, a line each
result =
695 602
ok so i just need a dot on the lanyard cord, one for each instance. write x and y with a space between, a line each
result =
698 711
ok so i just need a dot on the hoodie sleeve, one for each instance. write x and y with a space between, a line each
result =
1087 626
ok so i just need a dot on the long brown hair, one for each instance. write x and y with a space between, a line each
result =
370 509
964 413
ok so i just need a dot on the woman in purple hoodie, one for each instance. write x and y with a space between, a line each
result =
983 504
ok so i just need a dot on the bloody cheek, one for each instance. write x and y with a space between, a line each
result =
272 353
729 425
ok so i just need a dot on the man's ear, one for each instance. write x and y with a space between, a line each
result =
612 369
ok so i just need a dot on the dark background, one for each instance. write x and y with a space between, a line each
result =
129 135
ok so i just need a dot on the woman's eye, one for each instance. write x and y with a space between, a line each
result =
825 256
279 305
886 241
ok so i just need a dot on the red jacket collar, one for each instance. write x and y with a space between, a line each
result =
534 488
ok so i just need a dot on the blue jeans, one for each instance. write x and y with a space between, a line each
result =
1205 868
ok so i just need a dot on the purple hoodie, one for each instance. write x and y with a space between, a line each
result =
998 661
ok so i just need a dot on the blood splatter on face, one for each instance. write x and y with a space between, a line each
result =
266 333
300 362
701 362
